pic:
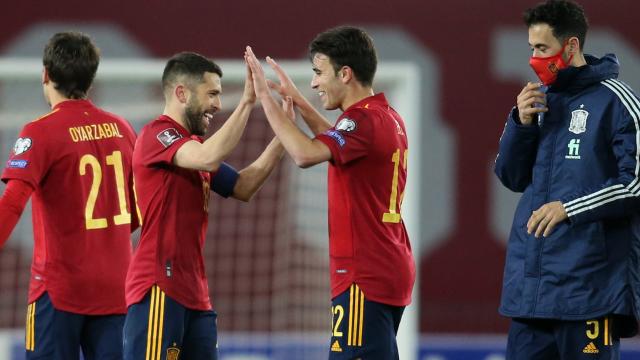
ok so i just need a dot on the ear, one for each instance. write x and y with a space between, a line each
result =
45 76
345 74
182 93
573 45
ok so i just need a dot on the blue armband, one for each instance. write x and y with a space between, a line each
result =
224 180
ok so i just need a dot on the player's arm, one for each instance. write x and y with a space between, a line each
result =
208 155
304 151
252 177
316 122
12 204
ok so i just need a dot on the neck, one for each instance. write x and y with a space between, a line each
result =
358 93
176 113
56 98
578 60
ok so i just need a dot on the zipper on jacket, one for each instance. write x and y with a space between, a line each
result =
546 200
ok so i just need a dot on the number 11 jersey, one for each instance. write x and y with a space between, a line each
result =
78 160
368 241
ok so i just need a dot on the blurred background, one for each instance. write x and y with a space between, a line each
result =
452 70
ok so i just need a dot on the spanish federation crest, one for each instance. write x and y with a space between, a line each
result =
578 121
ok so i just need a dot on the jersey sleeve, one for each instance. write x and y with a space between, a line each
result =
160 142
12 203
350 138
30 157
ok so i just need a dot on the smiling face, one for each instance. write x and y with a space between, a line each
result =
203 101
327 82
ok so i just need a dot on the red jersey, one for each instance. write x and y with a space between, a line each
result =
78 160
368 242
173 202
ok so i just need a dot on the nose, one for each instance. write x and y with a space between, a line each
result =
314 82
216 103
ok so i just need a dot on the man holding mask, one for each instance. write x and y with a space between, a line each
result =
571 145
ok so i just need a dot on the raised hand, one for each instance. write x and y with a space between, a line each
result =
286 86
287 106
249 93
531 101
259 80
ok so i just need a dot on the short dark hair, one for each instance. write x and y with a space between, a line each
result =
71 60
566 19
189 64
348 46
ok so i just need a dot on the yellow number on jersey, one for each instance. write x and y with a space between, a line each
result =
115 160
337 310
393 216
595 332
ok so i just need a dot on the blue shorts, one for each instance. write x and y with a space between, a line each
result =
362 328
55 334
531 339
159 328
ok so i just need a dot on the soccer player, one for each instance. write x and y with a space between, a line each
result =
170 313
372 267
76 162
571 145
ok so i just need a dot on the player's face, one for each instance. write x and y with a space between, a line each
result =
543 43
329 85
202 103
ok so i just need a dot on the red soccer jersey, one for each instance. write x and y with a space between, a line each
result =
173 202
78 160
368 242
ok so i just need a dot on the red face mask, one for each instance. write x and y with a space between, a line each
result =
547 67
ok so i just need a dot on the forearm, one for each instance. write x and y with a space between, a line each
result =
220 144
516 154
295 142
12 205
311 116
252 177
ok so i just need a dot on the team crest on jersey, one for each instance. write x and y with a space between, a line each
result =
168 136
579 121
173 353
346 124
22 145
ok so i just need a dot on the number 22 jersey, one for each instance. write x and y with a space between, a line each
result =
368 241
78 160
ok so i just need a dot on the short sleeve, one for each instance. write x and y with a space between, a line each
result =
160 142
350 138
30 157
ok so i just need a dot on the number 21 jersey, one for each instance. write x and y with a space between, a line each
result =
78 160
